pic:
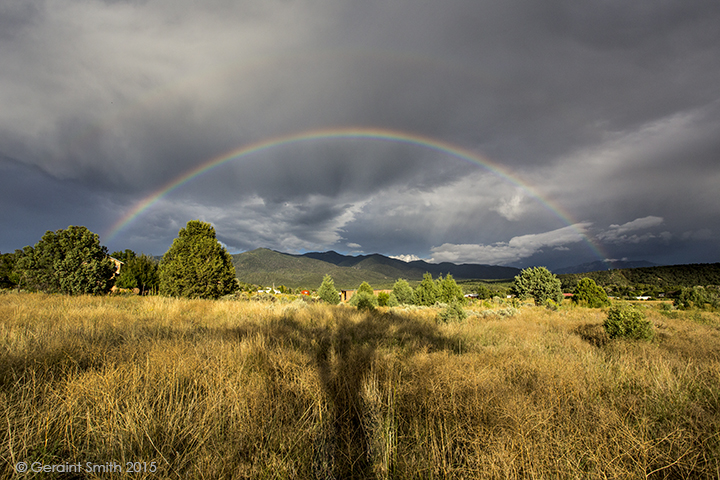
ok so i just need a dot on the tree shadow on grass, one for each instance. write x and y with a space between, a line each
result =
343 351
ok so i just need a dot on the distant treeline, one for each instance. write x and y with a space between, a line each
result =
665 278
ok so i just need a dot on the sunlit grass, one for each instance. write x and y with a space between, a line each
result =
241 389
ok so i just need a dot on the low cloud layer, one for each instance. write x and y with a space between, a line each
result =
595 128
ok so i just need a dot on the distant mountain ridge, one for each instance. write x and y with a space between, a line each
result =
265 267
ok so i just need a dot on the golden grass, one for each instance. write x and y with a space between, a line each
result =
240 389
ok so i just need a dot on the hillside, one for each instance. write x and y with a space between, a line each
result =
267 267
604 265
664 277
414 270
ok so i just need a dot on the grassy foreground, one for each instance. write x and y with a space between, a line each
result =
230 389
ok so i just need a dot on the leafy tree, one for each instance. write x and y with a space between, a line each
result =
196 265
8 277
68 261
539 284
427 291
588 293
327 291
403 292
627 321
483 292
449 291
698 297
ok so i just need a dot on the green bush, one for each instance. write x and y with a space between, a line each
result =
383 298
403 292
626 321
364 301
453 313
392 300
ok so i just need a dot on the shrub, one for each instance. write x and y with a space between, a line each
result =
364 301
383 298
403 292
452 313
627 321
392 300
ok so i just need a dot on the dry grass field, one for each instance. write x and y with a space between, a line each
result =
241 389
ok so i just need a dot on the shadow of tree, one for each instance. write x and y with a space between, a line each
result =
343 351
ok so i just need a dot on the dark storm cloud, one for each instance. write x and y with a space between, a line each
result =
610 112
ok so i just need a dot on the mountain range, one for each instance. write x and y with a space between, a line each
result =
266 267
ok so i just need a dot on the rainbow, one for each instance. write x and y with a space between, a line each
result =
377 134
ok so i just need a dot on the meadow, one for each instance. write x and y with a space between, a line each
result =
289 389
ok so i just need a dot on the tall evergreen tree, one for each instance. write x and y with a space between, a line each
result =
449 291
427 291
196 265
327 291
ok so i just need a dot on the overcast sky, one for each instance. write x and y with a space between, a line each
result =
603 117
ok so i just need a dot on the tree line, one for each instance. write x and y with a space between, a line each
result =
72 261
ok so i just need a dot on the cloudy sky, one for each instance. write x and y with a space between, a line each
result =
503 131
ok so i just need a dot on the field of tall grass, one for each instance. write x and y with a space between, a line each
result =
240 389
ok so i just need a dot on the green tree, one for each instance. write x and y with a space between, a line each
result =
589 294
68 261
427 291
139 272
196 265
403 292
449 291
392 300
483 292
8 277
327 291
539 284
692 297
